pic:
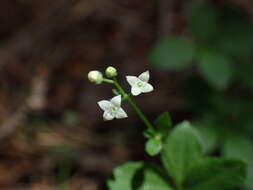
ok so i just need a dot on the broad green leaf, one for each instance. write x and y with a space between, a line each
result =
209 135
153 146
123 176
172 53
149 178
137 176
204 22
215 68
215 173
240 147
181 149
163 123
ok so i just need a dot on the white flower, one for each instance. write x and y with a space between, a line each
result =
112 109
95 76
140 84
111 72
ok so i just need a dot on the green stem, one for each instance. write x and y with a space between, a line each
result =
119 88
140 113
135 107
108 81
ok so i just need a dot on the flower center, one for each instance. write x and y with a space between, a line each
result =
113 109
140 84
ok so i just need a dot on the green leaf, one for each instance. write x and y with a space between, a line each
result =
150 178
153 146
215 173
163 123
209 134
215 68
205 22
180 150
137 176
123 176
240 147
172 53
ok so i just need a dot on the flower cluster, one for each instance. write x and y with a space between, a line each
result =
112 108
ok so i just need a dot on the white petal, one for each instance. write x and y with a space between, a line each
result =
104 104
147 88
135 90
121 114
132 80
116 100
144 76
107 116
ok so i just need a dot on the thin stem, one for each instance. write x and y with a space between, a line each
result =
140 113
135 107
108 81
119 88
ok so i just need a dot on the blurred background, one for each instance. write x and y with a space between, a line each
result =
52 134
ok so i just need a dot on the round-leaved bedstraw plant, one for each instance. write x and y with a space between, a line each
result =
184 165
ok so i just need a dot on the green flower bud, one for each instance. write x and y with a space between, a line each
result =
111 72
95 77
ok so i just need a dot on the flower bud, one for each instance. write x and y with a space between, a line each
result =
111 72
95 76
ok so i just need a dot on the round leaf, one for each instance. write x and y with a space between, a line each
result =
163 123
216 173
172 53
240 147
153 146
181 149
149 178
123 176
209 134
137 176
215 68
